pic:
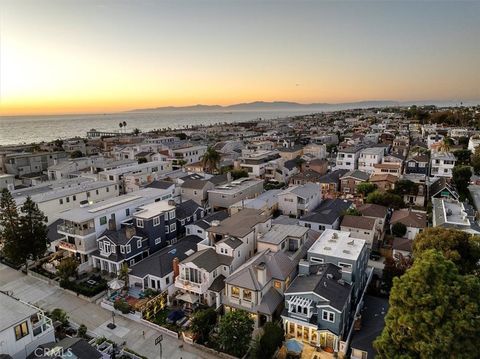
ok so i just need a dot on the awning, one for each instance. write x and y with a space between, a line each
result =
116 284
188 297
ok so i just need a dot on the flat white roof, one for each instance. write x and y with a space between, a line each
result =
337 244
13 311
153 209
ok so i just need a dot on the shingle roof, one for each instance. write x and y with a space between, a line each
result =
206 221
208 259
358 222
373 210
410 218
218 284
328 211
194 184
357 174
186 209
161 184
384 177
240 224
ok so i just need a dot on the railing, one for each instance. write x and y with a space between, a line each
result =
67 245
75 230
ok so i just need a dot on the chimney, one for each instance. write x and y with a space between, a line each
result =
112 225
304 267
130 232
171 202
261 273
176 268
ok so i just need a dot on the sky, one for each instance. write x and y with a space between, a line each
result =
62 56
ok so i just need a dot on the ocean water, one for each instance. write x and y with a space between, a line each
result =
28 129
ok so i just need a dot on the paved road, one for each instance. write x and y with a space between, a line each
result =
48 297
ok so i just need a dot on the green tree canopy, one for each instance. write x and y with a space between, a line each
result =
462 156
399 229
403 187
386 199
265 346
238 173
211 159
76 154
461 177
460 247
365 188
9 225
235 332
475 160
67 268
352 212
434 312
203 323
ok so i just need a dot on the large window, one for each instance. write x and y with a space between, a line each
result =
235 292
346 267
191 275
247 295
156 221
139 223
328 316
21 330
103 220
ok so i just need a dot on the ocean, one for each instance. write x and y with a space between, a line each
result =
29 129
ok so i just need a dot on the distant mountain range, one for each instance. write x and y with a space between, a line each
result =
286 105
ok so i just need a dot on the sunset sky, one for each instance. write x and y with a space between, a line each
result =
60 56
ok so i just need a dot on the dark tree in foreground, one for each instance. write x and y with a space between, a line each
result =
265 346
202 324
235 332
9 225
434 312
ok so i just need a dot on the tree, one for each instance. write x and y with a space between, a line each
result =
460 247
239 173
386 199
461 177
123 274
76 154
59 315
352 212
394 267
463 141
82 331
211 159
142 160
299 162
136 131
120 125
266 345
24 236
235 332
67 268
203 323
475 160
403 187
462 156
422 322
365 188
9 226
399 229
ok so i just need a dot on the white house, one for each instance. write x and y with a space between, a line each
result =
369 157
441 164
299 200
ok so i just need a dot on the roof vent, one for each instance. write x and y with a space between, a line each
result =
351 243
215 223
329 276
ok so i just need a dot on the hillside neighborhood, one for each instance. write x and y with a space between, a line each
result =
330 235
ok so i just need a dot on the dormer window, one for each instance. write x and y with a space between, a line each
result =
128 248
328 316
139 223
122 249
139 243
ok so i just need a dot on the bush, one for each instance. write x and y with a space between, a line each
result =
82 331
84 289
399 229
266 345
59 315
122 305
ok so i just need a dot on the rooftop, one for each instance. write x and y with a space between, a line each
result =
13 311
154 209
279 232
236 186
240 224
337 244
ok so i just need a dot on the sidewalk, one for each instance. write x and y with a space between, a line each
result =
47 297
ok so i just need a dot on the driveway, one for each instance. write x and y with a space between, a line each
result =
47 297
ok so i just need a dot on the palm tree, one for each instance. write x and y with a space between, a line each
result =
444 146
211 160
120 125
125 125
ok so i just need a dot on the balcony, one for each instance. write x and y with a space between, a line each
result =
66 229
68 246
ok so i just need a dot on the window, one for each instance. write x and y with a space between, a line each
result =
235 292
114 249
182 222
328 316
247 295
100 245
122 249
166 216
128 248
316 260
108 189
21 330
277 284
346 267
139 243
60 200
96 191
167 280
139 223
156 221
132 262
68 199
103 220
167 229
127 212
172 214
173 227
74 198
107 247
158 240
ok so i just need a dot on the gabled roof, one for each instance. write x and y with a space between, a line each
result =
357 174
333 177
373 210
328 211
194 184
240 224
206 221
208 259
186 209
358 222
161 184
441 185
409 218
387 177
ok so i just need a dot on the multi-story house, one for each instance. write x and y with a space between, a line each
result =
267 202
82 226
434 140
284 238
317 307
189 154
347 158
349 253
7 181
199 228
417 164
56 197
415 221
327 215
360 227
441 164
255 162
388 168
152 227
223 196
21 164
350 180
258 286
187 212
316 150
196 190
299 200
23 328
369 157
228 245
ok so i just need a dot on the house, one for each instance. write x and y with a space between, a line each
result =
189 154
256 161
451 213
318 151
298 200
350 180
153 227
384 182
199 227
388 168
319 165
307 176
415 221
360 227
402 246
441 164
222 197
196 190
7 181
77 348
23 327
159 270
267 202
440 188
330 183
187 213
417 164
343 250
368 327
418 194
347 158
284 238
21 164
369 157
258 285
317 307
327 215
290 152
